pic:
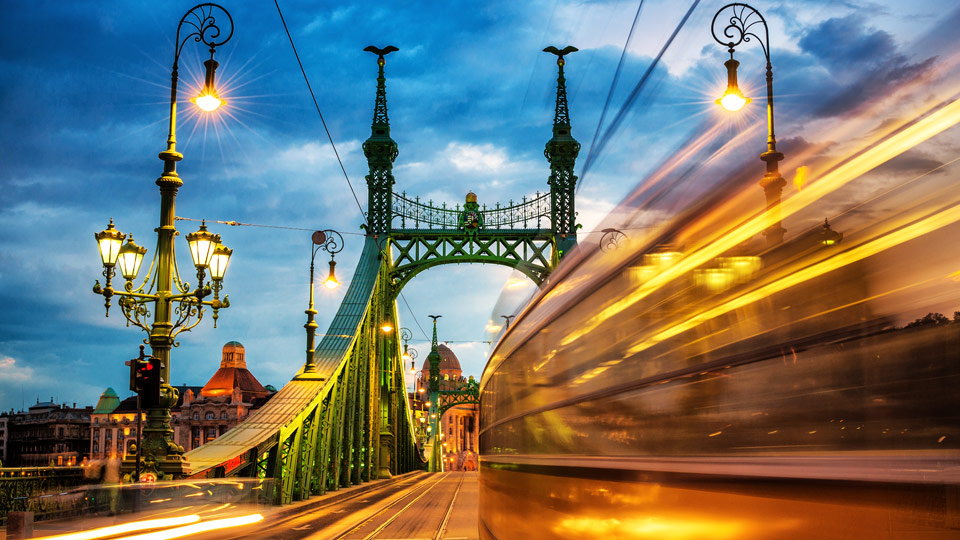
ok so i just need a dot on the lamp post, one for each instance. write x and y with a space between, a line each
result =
739 29
332 242
175 306
409 354
506 322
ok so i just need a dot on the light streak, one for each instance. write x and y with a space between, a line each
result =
937 221
925 128
197 528
114 530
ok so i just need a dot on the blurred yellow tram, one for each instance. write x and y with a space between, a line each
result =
698 382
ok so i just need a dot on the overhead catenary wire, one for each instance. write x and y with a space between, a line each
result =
315 104
240 224
616 79
621 114
284 227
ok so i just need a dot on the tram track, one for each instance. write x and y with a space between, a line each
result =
446 516
394 517
421 507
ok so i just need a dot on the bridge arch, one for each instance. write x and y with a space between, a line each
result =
345 417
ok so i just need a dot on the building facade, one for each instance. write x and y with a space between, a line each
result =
459 428
3 439
201 414
45 435
226 400
113 425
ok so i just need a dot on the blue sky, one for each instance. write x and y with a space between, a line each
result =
470 95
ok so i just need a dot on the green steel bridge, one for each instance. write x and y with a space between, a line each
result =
345 418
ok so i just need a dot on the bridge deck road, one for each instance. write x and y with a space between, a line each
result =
442 506
420 506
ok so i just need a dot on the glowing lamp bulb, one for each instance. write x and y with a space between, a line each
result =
733 101
208 102
331 281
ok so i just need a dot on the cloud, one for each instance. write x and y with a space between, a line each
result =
10 372
478 158
863 63
912 162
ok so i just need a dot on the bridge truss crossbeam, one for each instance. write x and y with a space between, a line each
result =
529 251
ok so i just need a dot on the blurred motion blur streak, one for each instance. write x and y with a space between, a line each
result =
934 123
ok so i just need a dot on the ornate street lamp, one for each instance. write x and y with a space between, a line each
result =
739 29
173 304
330 241
828 236
409 354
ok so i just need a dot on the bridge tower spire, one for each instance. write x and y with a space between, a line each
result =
381 151
433 387
561 151
434 357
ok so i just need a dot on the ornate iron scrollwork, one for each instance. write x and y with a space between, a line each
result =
413 214
206 29
611 239
738 29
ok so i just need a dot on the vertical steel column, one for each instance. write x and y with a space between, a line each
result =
346 473
323 452
336 433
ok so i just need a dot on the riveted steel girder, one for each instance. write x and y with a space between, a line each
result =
529 251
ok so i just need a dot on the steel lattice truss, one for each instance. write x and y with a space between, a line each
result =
529 251
347 423
534 212
453 393
346 418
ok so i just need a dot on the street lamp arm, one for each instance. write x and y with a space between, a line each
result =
738 30
203 21
204 27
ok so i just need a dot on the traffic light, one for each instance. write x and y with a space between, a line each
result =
149 373
145 379
137 371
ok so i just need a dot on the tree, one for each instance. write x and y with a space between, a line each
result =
933 319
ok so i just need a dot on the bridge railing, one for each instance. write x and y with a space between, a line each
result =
38 490
533 212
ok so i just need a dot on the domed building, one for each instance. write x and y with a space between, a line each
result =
459 426
225 401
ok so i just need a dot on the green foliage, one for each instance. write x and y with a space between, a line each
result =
933 319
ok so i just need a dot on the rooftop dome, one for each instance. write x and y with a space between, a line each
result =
233 375
109 401
233 355
448 360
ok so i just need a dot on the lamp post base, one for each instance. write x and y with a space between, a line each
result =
171 467
386 443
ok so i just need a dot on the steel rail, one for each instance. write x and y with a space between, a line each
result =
446 517
387 507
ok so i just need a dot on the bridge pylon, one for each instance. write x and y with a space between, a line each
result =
345 417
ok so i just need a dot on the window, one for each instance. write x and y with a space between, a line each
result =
223 415
211 433
196 415
210 415
96 446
